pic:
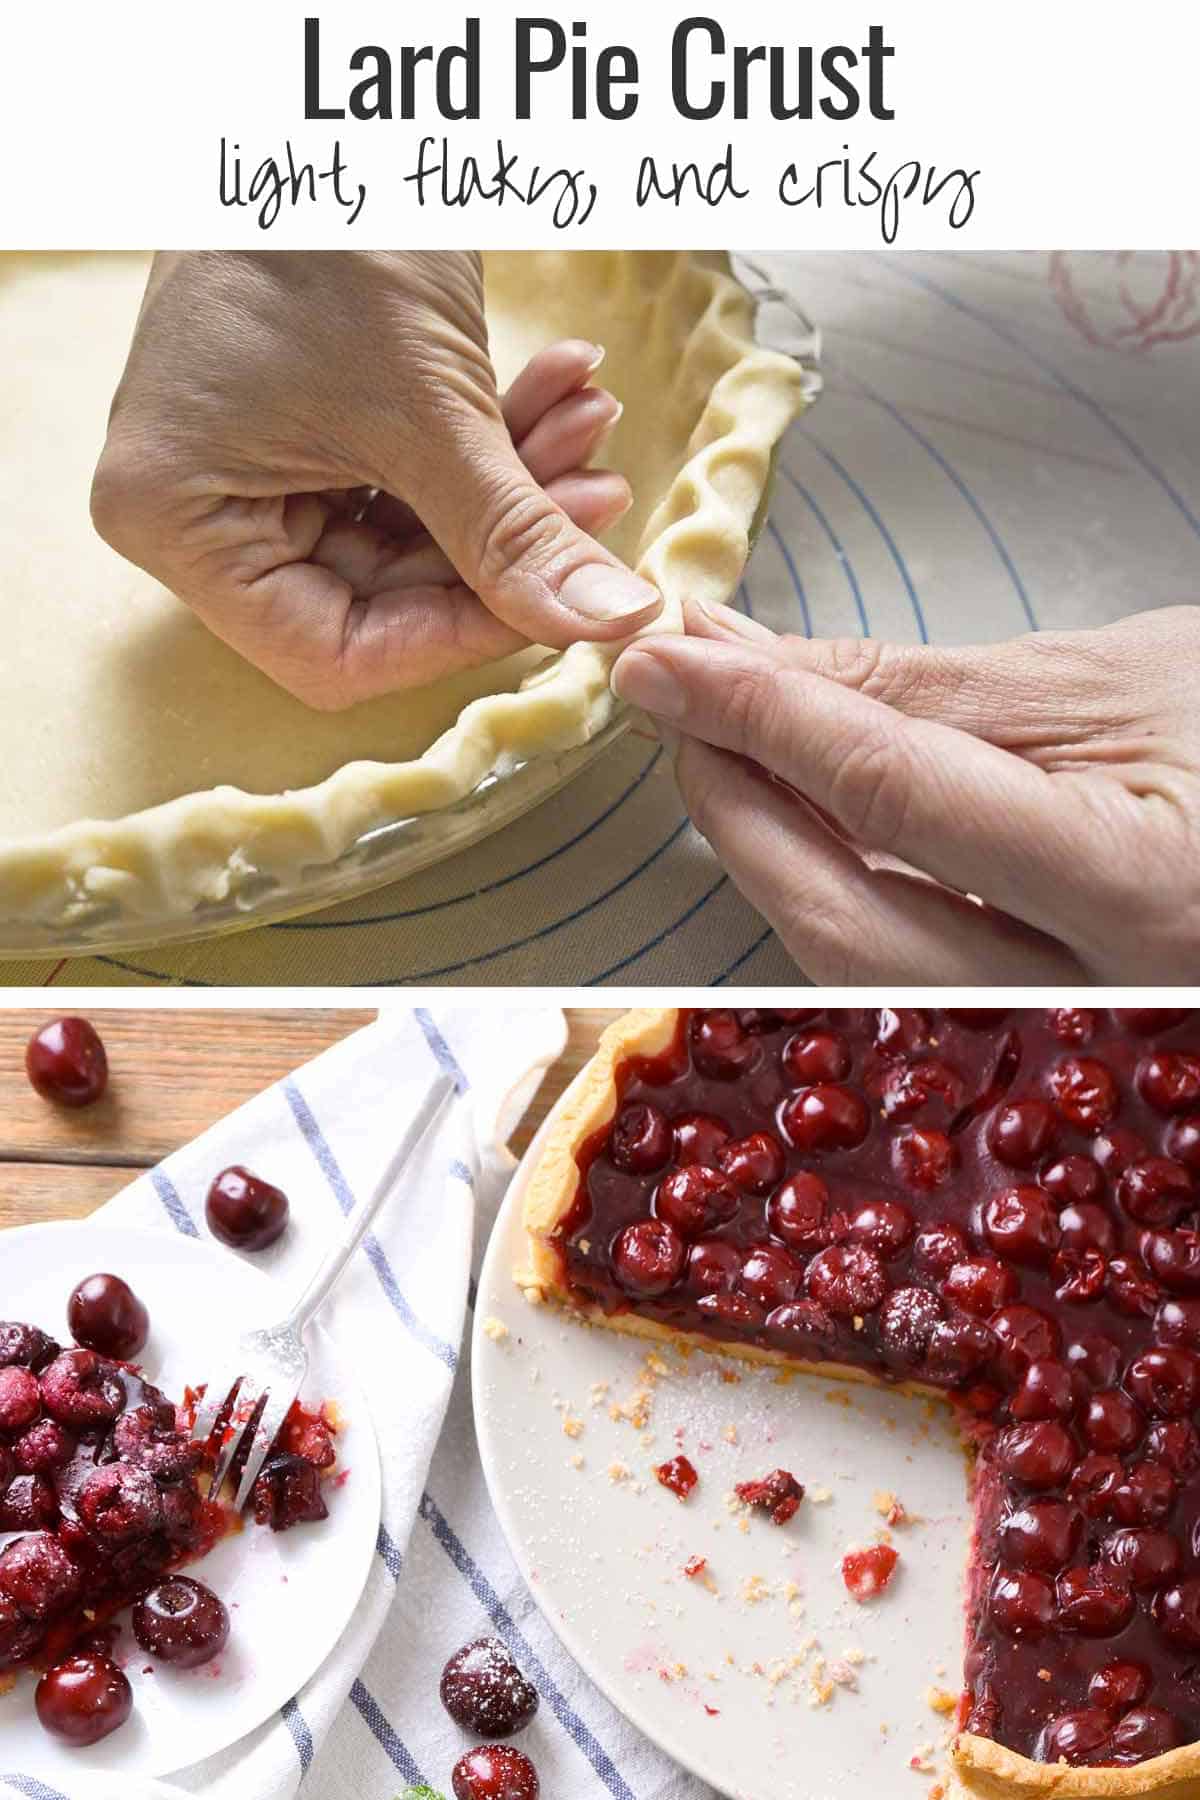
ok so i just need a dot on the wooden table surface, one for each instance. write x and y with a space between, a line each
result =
172 1073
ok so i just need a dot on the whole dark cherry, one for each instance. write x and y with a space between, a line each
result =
847 1280
1119 1685
83 1699
648 1257
721 1047
244 1211
825 1118
1182 1141
20 1399
640 1141
695 1200
813 1056
755 1163
1021 1225
1072 1180
106 1315
697 1137
770 1275
1155 1192
495 1772
1041 1534
1080 1738
1021 1603
799 1212
1084 1092
1169 1081
924 1158
182 1622
1022 1132
981 1285
884 1226
66 1062
485 1692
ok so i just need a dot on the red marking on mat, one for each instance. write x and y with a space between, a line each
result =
1158 297
56 971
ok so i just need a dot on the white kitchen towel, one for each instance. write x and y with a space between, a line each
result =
369 1722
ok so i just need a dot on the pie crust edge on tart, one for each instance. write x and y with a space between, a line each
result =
210 845
979 1767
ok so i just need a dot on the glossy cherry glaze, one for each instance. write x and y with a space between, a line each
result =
1005 1206
83 1699
106 1315
181 1622
244 1211
485 1692
67 1063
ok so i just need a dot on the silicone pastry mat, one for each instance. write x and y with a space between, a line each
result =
1005 443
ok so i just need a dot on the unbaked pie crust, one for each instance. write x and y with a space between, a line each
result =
979 1767
148 769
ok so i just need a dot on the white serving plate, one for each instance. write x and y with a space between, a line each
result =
604 1558
290 1594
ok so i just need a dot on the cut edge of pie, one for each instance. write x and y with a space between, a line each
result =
210 846
979 1766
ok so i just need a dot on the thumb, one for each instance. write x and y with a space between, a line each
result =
528 562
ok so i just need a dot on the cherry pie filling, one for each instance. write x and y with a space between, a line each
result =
1004 1206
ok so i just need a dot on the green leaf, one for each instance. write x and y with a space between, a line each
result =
421 1793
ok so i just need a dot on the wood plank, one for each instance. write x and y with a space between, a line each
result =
173 1072
585 1023
33 1191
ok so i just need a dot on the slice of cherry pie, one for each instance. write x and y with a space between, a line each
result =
1004 1207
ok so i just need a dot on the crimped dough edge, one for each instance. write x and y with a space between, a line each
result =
210 847
979 1768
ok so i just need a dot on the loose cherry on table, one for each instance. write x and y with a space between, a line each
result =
105 1314
485 1692
182 1622
244 1211
83 1699
66 1062
495 1772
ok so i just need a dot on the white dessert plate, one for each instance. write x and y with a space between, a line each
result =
290 1594
761 1675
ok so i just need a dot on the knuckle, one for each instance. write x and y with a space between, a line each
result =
119 499
870 792
520 528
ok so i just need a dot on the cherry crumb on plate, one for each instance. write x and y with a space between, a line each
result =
495 1772
245 1211
83 1699
106 1315
867 1572
485 1692
66 1062
778 1495
678 1475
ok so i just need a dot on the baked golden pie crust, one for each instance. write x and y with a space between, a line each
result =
978 1767
149 769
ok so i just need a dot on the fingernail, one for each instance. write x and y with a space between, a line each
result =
644 680
739 624
600 591
598 355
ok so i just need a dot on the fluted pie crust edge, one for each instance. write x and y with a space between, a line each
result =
979 1767
209 846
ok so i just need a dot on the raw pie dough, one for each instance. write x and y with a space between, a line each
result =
147 768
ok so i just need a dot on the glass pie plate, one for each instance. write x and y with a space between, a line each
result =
404 846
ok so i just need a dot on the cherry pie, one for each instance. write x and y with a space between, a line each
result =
1002 1207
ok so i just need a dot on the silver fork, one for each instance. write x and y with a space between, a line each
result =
266 1371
